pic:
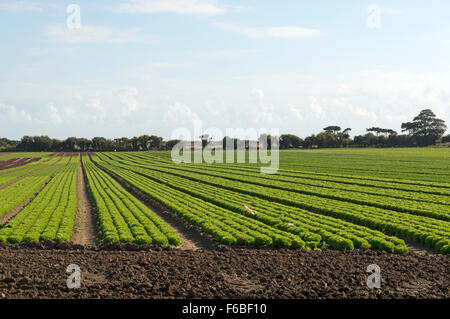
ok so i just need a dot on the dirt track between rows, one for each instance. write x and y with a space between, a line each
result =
84 229
115 272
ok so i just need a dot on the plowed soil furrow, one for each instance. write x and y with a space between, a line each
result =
84 231
228 273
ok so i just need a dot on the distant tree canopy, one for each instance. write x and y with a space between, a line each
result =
446 139
332 129
290 141
425 128
379 130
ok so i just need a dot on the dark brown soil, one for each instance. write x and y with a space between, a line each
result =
123 271
84 229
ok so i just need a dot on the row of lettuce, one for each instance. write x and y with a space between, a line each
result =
50 215
225 226
433 232
435 193
236 206
10 175
422 167
439 210
440 188
205 202
16 193
121 217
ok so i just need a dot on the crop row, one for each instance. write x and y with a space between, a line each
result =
421 194
121 216
398 166
226 226
14 194
379 166
432 232
50 215
29 169
336 233
290 166
438 211
18 162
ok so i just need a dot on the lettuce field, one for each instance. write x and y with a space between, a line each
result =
394 200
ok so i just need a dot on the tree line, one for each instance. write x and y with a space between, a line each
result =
425 129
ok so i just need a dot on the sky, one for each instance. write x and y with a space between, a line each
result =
123 68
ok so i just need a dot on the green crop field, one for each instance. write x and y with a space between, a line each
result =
384 199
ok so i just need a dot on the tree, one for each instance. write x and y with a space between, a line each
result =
156 142
332 129
170 144
446 139
99 144
70 144
379 130
144 142
310 141
290 141
368 139
425 127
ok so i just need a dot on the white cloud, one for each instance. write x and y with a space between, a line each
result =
128 99
295 111
259 94
213 111
227 53
58 51
171 65
194 7
282 32
9 113
180 113
391 11
263 110
96 104
54 114
21 6
70 113
317 110
91 34
396 118
360 111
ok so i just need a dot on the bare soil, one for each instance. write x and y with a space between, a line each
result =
84 231
128 271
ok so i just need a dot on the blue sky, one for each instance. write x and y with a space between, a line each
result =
152 66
